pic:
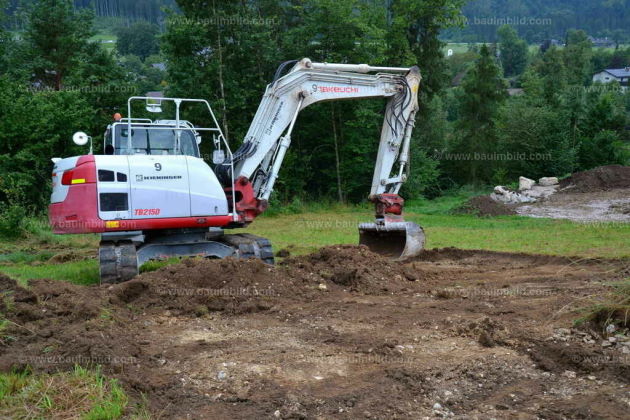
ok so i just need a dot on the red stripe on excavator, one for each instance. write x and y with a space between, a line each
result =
166 223
78 213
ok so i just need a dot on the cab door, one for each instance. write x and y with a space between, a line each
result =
159 186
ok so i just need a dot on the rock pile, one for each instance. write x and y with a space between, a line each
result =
528 191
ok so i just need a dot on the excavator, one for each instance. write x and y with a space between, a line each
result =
151 195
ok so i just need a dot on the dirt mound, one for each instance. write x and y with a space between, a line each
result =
603 178
483 205
201 286
353 268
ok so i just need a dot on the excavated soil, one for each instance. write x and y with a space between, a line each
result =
603 178
340 333
483 205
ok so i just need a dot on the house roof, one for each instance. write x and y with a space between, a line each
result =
619 73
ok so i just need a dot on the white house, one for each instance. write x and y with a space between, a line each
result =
614 75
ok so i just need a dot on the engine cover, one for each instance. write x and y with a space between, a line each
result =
135 192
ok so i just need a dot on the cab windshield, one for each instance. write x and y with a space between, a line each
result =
151 141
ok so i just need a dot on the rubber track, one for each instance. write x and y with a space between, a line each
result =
117 262
250 246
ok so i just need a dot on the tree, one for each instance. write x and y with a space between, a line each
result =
513 51
536 137
57 36
483 91
413 38
553 73
35 126
139 38
5 39
577 58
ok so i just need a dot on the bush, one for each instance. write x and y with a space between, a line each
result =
11 217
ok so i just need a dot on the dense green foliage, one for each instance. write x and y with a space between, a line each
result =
56 81
139 39
538 20
118 11
513 51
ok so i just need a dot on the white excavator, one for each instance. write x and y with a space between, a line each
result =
152 196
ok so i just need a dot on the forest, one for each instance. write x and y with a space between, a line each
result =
489 113
535 20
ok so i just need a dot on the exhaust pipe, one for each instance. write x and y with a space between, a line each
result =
398 240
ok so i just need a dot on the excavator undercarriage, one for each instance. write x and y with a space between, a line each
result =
121 256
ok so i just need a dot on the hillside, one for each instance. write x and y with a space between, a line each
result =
536 20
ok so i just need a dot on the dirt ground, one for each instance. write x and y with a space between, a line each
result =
342 333
598 195
592 206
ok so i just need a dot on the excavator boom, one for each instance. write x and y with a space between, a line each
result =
260 157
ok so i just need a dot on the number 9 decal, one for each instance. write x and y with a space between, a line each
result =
158 166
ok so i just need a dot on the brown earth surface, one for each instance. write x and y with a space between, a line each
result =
603 178
341 333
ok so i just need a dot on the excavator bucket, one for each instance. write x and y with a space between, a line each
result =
397 240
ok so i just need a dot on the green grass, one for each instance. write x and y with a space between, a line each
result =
82 393
79 272
444 205
306 232
101 38
23 257
457 47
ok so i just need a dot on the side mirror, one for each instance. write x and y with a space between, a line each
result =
81 139
198 139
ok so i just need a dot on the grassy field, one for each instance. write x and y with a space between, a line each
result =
108 41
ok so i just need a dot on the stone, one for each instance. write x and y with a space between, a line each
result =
437 406
501 190
548 181
525 183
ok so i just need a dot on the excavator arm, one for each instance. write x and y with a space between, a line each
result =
258 161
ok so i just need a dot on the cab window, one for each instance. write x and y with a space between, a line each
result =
146 141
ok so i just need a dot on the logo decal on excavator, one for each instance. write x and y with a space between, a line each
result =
140 178
335 89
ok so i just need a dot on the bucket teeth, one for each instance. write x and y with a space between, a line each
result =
395 240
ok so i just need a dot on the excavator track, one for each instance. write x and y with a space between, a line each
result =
250 246
117 261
